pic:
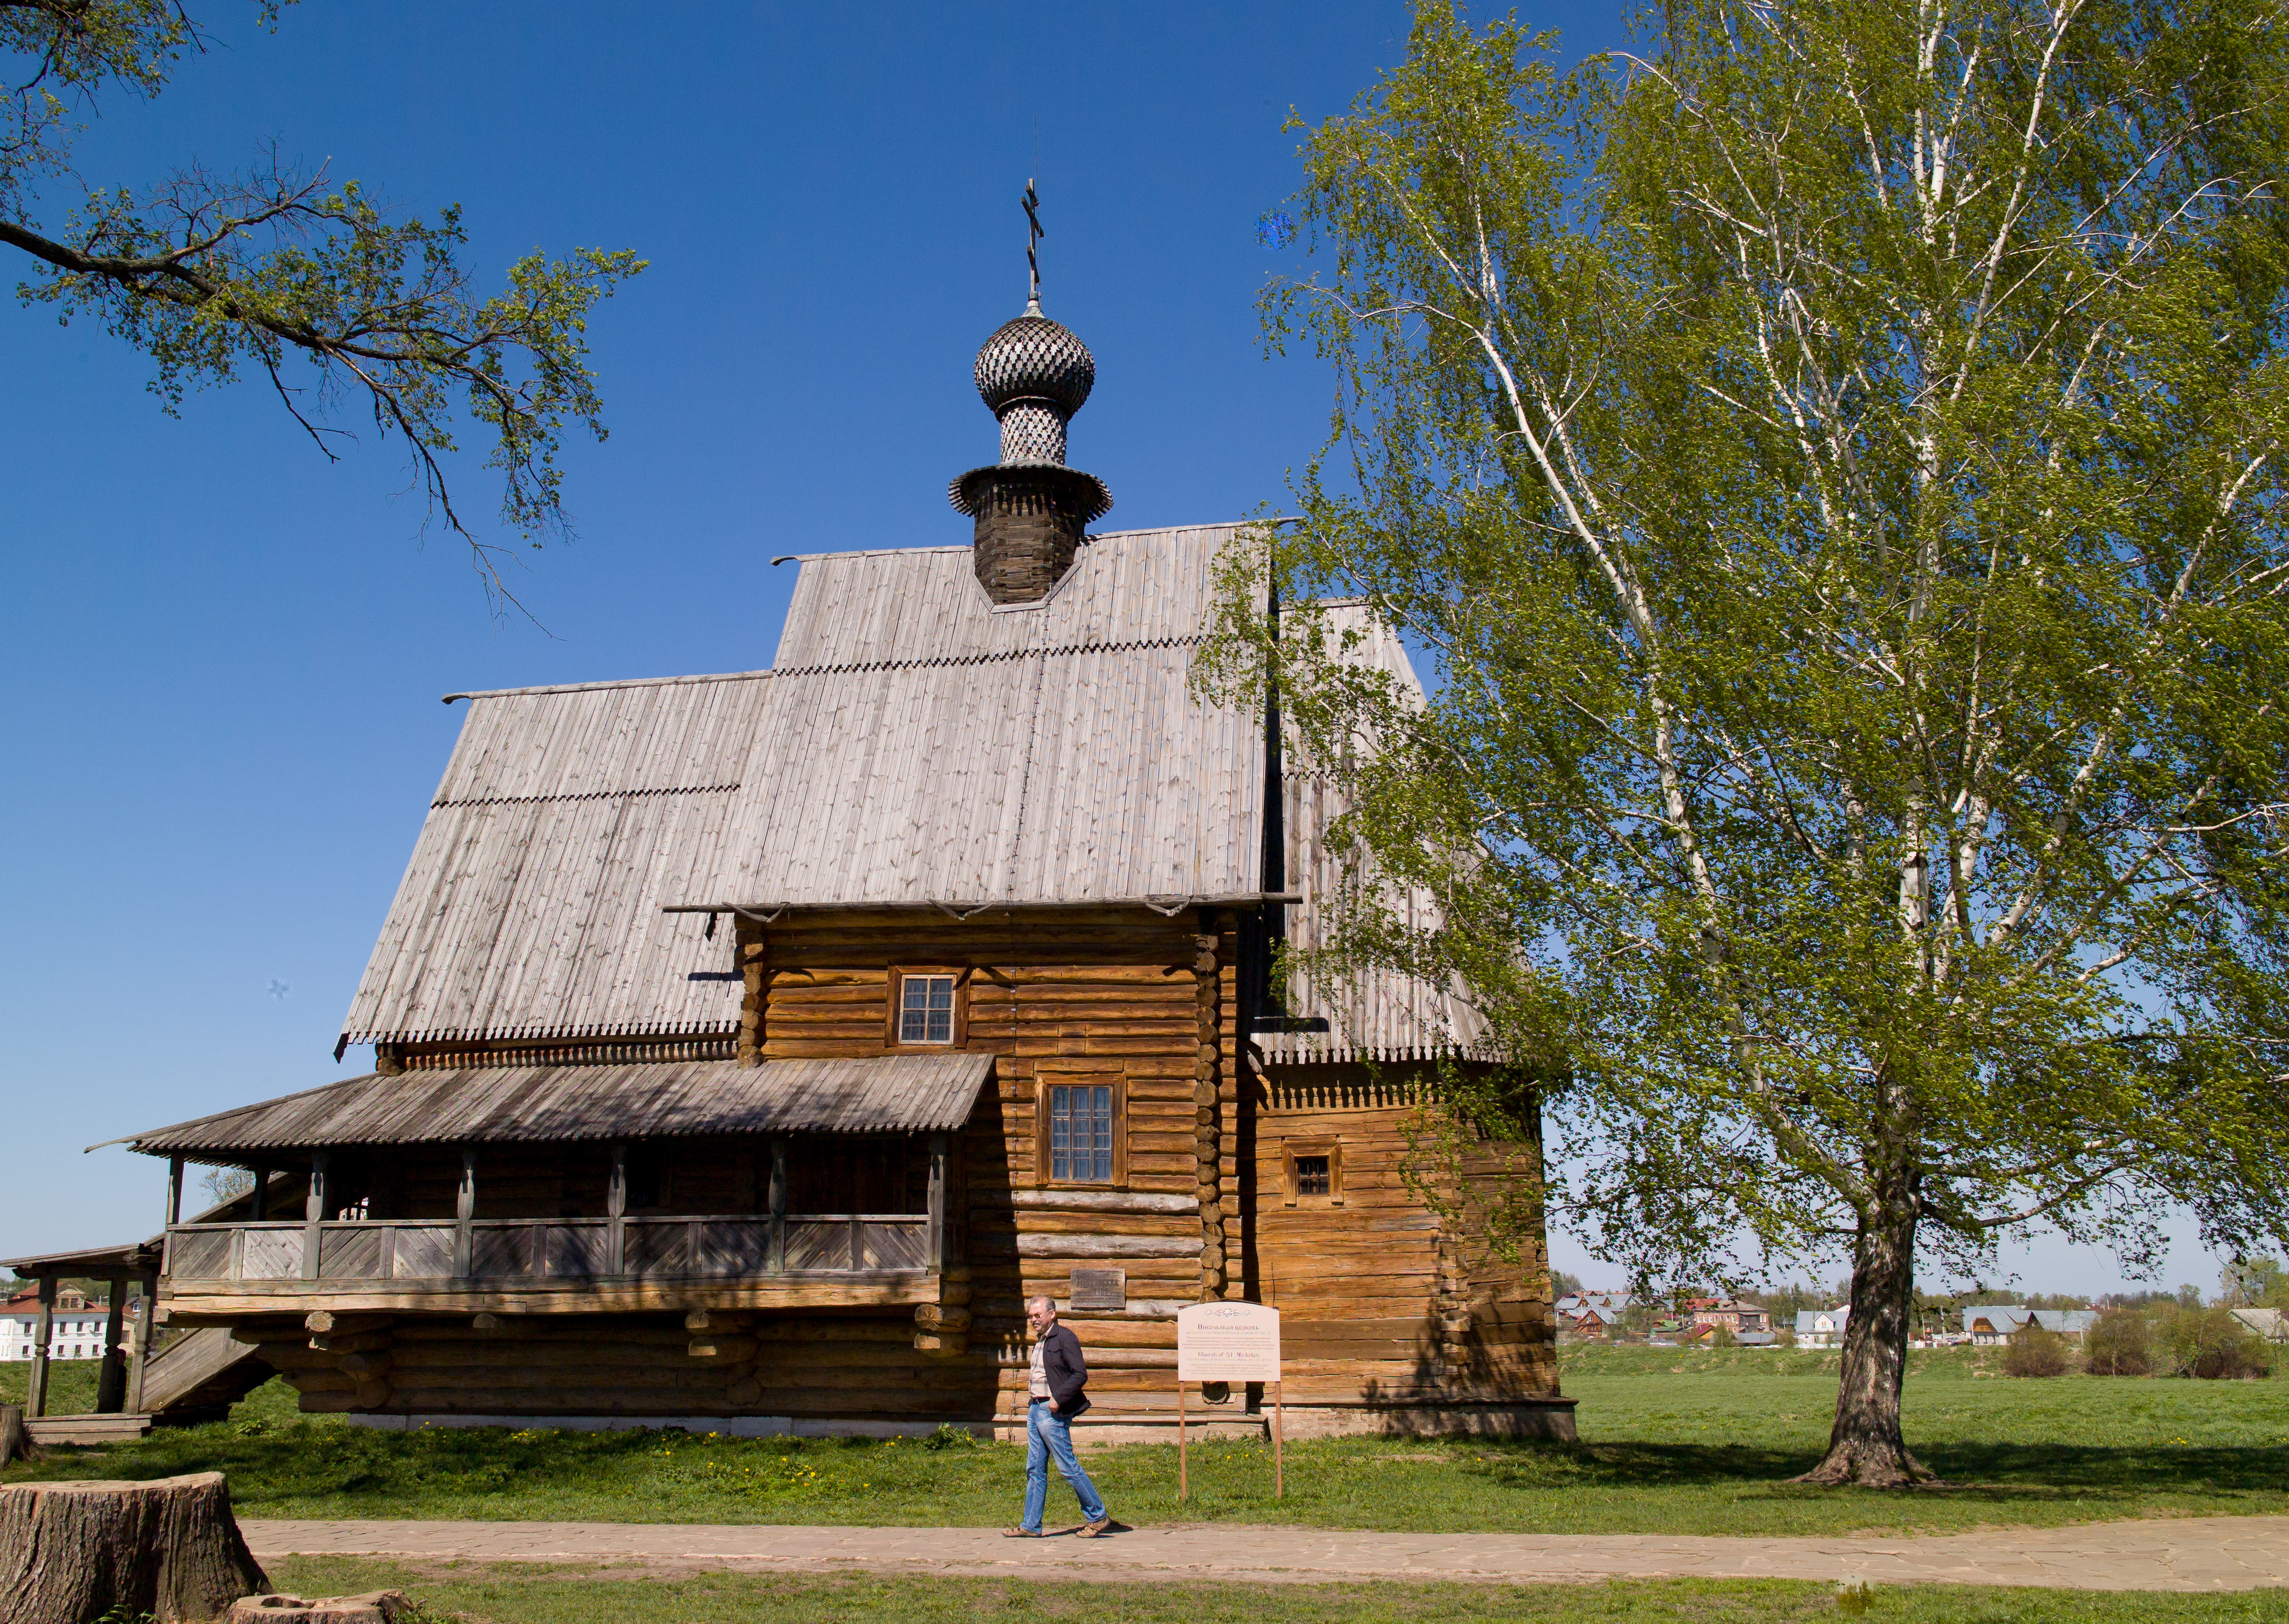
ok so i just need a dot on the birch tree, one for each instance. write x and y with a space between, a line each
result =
1832 457
306 282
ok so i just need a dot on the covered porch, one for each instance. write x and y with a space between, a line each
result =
119 1380
587 1189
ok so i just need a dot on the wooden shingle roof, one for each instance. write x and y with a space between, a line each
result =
905 1093
913 744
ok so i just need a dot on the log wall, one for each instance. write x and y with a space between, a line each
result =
1126 999
1382 1310
1381 1303
841 1367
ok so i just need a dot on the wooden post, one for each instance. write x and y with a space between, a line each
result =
1279 1481
36 1401
144 1323
465 1209
313 1213
174 1211
258 1205
857 1244
1182 1489
935 1245
111 1380
616 1208
779 1205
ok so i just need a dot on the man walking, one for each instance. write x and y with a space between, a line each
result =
1054 1397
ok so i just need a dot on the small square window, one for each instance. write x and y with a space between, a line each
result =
1081 1134
1313 1172
925 1009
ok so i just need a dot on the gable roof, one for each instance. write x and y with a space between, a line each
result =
2268 1323
2001 1320
1371 1014
567 817
913 744
926 746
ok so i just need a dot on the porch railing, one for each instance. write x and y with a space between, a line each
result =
709 1248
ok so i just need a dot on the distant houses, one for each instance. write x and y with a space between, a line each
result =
1595 1315
1701 1321
77 1332
1722 1312
1991 1324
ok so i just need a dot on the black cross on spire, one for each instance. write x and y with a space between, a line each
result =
1034 235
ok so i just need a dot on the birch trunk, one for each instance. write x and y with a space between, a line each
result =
1866 1447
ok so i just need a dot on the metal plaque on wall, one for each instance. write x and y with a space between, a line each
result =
1100 1288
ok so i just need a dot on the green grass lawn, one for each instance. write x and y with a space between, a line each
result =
1672 1443
71 1384
507 1593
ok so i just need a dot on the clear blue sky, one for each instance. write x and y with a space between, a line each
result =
224 656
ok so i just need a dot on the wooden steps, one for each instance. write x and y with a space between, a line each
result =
86 1429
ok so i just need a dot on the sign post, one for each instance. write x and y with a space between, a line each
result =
1229 1342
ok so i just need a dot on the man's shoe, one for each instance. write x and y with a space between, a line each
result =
1091 1530
1021 1533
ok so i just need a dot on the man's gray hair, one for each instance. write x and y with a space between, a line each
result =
1050 1303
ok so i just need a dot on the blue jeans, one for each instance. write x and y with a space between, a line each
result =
1049 1433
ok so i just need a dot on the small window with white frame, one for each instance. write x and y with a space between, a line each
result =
926 1008
1082 1122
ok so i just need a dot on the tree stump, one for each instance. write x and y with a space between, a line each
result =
15 1443
70 1552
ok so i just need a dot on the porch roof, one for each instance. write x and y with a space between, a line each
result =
129 1262
659 1100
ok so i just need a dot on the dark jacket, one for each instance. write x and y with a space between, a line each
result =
1062 1364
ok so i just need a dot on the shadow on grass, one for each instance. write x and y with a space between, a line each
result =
1991 1473
305 1461
321 1469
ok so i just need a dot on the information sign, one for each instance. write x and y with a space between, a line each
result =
1227 1341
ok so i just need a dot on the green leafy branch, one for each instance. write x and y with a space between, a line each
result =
207 274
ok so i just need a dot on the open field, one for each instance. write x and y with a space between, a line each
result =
1673 1443
511 1594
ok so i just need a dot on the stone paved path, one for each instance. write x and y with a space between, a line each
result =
2236 1552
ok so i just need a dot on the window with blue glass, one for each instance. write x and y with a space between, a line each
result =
925 1009
1081 1134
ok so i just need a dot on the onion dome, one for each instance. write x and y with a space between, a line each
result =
1032 359
1033 374
1029 509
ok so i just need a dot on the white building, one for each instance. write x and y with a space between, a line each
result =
77 1333
1821 1327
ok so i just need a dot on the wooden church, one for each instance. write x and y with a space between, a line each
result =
748 1048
